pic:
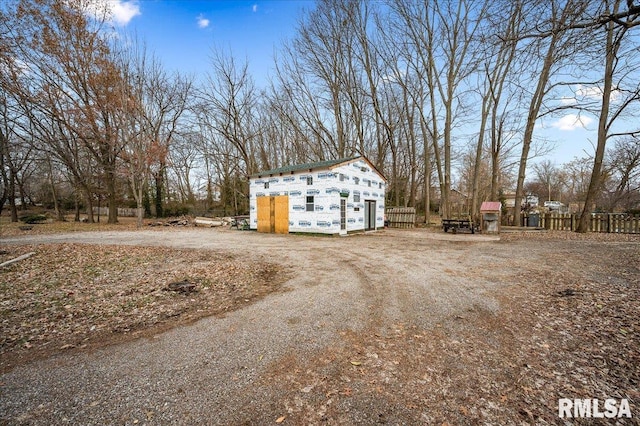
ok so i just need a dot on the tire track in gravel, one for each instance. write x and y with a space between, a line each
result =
356 379
353 303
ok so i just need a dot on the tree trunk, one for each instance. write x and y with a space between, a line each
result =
56 204
23 198
112 199
140 212
76 217
532 117
496 142
475 195
159 180
90 216
3 199
427 175
446 203
596 173
54 193
12 198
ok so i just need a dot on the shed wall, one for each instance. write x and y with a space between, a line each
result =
355 179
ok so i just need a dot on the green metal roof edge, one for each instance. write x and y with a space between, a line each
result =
297 167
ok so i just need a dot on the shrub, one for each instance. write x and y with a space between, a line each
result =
33 218
177 209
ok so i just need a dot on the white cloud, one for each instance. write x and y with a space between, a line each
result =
203 22
566 100
571 122
588 92
124 11
254 8
595 93
119 12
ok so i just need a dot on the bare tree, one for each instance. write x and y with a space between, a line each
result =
552 48
72 77
551 179
8 169
152 106
615 33
500 50
622 175
184 158
230 100
442 34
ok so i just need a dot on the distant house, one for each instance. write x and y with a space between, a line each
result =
459 202
530 200
509 199
326 197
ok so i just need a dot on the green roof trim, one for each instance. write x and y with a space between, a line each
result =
297 167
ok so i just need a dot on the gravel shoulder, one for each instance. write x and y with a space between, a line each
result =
398 327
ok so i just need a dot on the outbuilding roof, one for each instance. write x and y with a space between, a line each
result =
491 206
327 164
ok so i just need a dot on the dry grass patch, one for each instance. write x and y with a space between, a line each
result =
76 296
50 226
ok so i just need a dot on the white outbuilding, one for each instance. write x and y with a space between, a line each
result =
327 197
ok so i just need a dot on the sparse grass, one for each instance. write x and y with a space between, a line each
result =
74 296
50 226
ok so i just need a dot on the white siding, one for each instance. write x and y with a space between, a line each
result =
358 179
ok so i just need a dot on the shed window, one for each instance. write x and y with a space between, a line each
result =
380 185
266 185
310 181
342 176
310 206
369 182
356 180
356 198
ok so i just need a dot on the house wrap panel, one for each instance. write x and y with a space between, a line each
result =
355 180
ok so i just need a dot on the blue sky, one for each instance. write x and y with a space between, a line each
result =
182 34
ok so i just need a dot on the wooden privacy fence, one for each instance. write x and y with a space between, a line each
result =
401 217
600 222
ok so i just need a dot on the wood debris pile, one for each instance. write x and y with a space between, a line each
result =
201 221
172 222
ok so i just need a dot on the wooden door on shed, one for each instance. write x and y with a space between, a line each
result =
281 214
273 214
264 213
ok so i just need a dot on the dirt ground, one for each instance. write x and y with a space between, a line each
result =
78 296
392 327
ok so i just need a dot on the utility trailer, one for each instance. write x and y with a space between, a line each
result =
458 225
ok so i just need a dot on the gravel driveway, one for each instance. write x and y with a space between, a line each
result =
296 356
